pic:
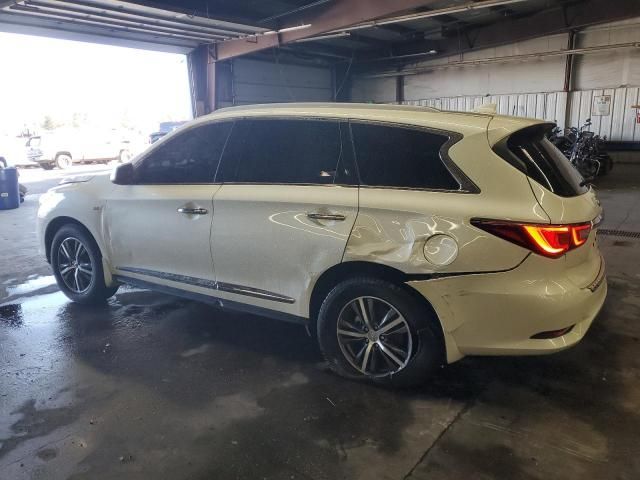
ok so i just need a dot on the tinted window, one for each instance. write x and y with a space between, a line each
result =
287 151
189 157
542 161
400 157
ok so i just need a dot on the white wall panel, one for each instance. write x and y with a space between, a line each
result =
487 79
268 82
524 77
609 69
377 90
534 88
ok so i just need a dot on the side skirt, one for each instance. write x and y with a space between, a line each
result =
219 302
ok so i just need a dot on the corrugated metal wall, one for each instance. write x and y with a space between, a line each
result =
533 88
620 125
548 106
268 82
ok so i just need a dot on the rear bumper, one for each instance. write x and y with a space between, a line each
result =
498 313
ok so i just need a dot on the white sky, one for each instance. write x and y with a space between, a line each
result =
41 76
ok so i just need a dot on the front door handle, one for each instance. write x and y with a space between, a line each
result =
336 217
193 211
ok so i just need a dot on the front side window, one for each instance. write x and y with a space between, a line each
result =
189 157
287 152
390 156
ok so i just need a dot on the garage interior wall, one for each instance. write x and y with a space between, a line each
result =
254 81
533 88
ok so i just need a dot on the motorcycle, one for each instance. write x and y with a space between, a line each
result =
584 149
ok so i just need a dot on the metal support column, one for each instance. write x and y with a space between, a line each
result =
197 60
399 89
568 77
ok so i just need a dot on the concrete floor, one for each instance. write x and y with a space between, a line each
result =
150 386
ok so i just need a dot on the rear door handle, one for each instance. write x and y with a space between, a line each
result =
336 217
193 211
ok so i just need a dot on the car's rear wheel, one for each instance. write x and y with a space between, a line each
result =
63 161
77 266
375 330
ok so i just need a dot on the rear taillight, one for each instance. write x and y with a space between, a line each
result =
549 240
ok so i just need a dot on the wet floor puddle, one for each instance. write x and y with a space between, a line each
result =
31 285
36 309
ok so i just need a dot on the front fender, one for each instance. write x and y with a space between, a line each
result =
80 203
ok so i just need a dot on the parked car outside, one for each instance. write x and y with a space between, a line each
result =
14 150
63 148
165 127
402 237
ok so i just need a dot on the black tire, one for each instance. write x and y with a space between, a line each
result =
426 339
47 166
63 161
91 288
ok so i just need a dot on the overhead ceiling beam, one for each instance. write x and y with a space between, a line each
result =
365 40
117 24
52 28
91 11
547 22
442 15
117 12
337 15
438 12
399 31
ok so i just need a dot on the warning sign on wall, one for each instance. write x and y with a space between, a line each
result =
601 105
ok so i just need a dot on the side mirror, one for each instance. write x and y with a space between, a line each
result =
123 174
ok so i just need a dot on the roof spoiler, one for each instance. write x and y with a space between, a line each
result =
487 108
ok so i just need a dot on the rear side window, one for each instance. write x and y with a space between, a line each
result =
389 156
189 157
287 152
531 152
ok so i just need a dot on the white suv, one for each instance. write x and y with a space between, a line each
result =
403 236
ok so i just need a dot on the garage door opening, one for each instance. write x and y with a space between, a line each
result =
66 102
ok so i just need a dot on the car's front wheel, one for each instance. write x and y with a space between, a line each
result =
373 329
77 266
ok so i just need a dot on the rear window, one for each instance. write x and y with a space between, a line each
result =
390 156
531 152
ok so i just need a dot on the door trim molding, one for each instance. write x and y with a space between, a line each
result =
204 283
219 302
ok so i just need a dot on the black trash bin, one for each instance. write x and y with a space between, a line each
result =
9 189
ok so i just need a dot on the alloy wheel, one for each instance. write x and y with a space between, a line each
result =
74 265
374 337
